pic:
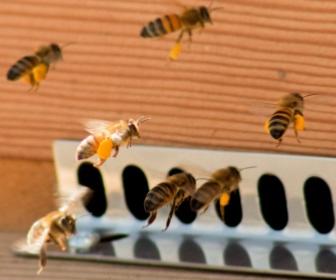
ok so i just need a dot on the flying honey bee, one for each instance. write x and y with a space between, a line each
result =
221 184
107 137
57 226
290 110
189 20
34 68
174 190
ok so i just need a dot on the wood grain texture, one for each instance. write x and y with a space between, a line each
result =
27 192
16 268
255 52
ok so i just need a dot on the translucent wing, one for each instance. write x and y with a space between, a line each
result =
37 234
101 126
80 196
37 238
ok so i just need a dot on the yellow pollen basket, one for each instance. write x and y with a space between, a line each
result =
224 199
40 72
299 122
266 128
28 78
175 51
105 148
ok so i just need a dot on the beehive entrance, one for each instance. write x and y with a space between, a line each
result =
272 229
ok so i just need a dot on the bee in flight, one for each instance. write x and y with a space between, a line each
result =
34 68
189 20
57 226
290 110
222 183
106 137
174 190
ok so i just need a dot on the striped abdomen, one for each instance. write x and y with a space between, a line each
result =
279 122
161 26
22 67
88 147
159 196
205 195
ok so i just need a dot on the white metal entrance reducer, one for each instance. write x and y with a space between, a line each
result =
280 221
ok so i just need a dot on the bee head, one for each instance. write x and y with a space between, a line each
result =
205 15
297 95
56 52
134 127
295 100
234 172
68 223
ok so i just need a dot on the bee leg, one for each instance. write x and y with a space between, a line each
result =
223 201
190 37
42 258
129 143
99 163
116 151
171 212
279 142
151 218
179 38
32 82
297 135
205 209
178 199
61 242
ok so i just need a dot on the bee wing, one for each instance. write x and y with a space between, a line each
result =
102 126
82 195
37 234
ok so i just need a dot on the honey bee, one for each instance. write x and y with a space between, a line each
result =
222 183
189 20
57 226
174 190
290 110
107 137
34 68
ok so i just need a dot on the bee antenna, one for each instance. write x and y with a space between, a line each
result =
67 44
308 95
81 216
215 9
142 119
248 167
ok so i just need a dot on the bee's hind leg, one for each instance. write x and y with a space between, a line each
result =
116 151
42 258
190 38
171 212
151 219
297 135
34 84
279 143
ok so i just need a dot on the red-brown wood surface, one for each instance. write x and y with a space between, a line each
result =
256 51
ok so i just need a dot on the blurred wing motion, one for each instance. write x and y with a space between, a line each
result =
80 196
37 234
37 239
101 126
